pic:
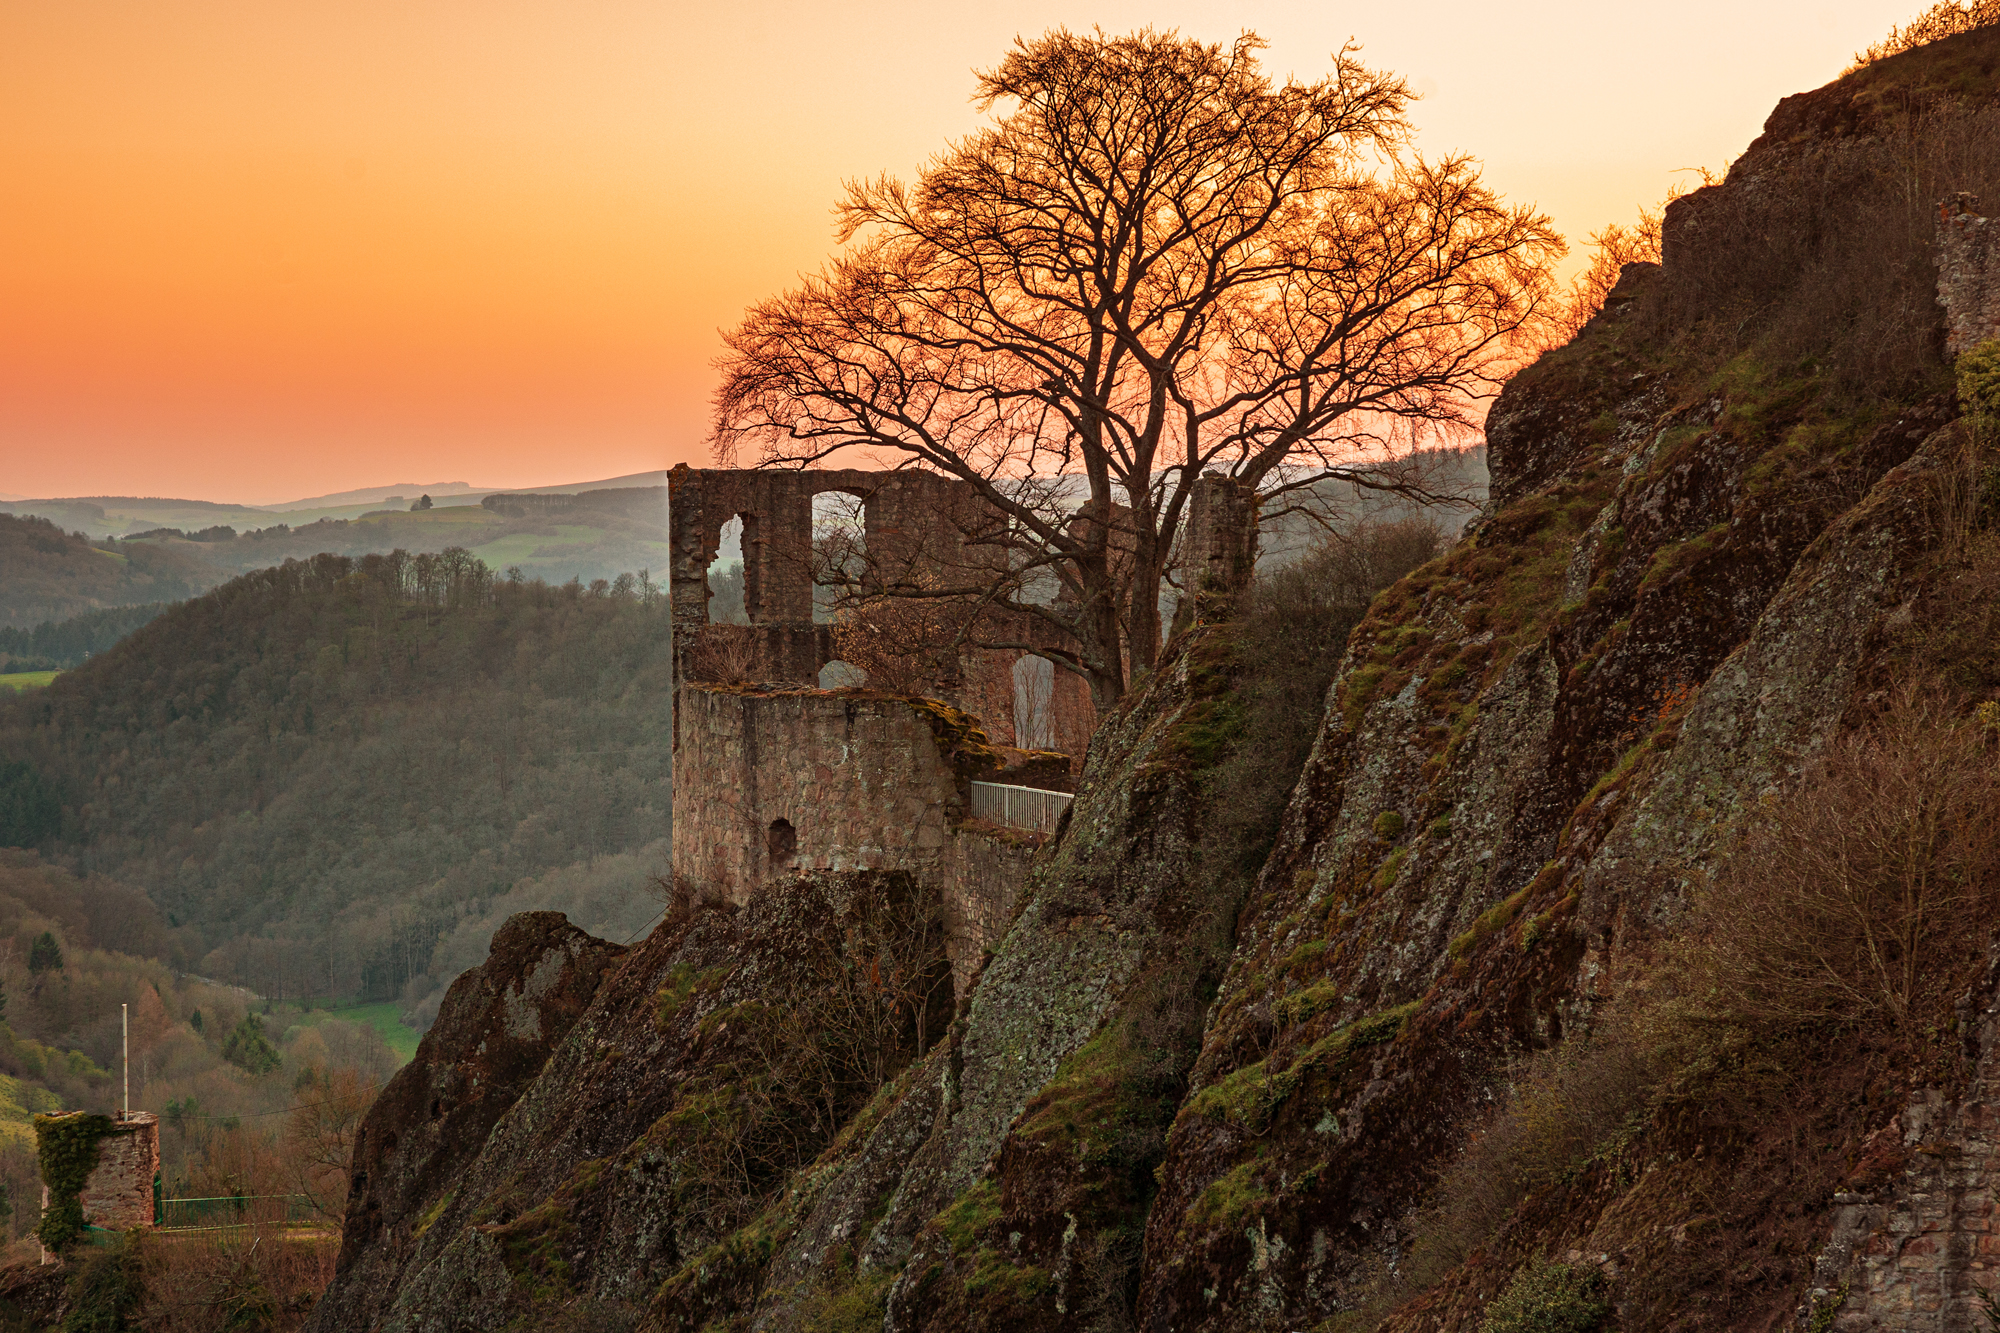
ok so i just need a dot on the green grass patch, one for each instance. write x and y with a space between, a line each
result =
26 680
1250 1094
1494 919
969 1214
1228 1197
385 1017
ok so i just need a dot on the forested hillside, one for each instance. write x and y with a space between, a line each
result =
56 644
49 574
323 770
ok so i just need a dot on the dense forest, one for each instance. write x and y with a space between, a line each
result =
48 574
55 645
335 777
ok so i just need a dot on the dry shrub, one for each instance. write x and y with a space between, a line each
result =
320 1133
1579 1103
1945 19
1868 895
255 1277
1814 980
1289 636
726 654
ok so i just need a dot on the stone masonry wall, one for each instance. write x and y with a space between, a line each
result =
1968 274
1916 1237
861 783
985 871
859 780
119 1194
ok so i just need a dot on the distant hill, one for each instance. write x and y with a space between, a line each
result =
340 774
587 537
47 574
404 491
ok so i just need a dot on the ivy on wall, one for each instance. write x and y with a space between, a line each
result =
67 1147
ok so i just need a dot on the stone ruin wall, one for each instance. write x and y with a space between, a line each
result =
1916 1236
859 782
119 1194
1968 274
912 526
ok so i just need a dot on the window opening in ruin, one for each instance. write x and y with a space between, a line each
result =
1034 703
839 675
839 554
725 577
784 844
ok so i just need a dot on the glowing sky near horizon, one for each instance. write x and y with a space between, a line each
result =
252 252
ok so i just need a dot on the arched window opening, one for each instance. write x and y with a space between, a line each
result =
1034 703
725 578
783 844
839 675
839 550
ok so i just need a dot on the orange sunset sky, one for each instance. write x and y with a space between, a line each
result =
257 251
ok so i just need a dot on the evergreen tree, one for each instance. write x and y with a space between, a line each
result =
45 953
249 1049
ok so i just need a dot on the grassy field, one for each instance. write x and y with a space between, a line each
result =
521 548
385 1018
26 680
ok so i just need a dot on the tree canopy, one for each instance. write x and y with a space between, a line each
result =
1154 263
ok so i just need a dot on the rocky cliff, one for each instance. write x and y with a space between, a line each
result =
1387 1073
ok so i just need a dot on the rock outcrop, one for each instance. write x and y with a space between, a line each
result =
493 1035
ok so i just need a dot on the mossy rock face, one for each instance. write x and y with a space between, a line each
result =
1563 714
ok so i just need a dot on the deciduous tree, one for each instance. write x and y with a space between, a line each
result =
1156 263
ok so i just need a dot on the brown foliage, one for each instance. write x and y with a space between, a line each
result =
726 654
253 1277
907 645
1865 897
319 1136
1826 260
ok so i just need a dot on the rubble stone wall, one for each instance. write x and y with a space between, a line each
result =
119 1193
1916 1236
772 783
1968 274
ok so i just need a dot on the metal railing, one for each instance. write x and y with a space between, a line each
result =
1019 807
241 1210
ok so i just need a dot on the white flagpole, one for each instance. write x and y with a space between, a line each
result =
125 1031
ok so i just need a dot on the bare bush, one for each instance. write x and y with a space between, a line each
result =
874 993
725 654
320 1134
907 645
253 1277
1866 896
1947 18
1826 260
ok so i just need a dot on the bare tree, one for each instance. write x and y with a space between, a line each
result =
1156 264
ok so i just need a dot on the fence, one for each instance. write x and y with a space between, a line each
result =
238 1211
1019 807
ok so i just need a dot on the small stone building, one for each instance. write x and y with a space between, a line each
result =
119 1194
